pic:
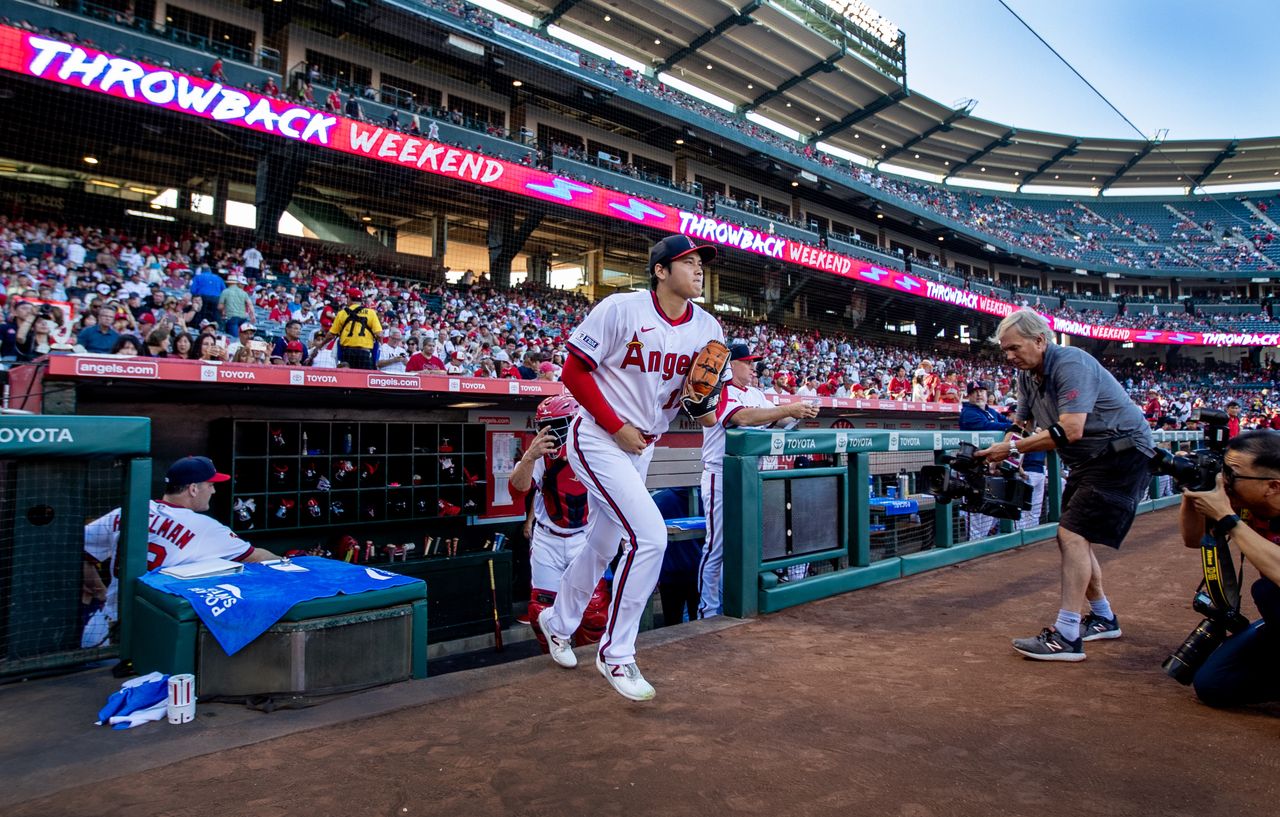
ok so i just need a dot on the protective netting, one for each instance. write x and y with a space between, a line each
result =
44 507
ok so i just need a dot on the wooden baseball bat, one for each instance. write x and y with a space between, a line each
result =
497 623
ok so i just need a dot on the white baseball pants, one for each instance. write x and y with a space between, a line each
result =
550 555
1031 518
621 510
711 565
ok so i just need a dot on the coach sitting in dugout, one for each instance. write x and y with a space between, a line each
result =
178 532
1243 510
1081 410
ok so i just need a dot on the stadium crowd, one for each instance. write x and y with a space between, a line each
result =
102 290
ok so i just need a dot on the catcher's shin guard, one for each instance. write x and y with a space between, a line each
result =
595 618
539 600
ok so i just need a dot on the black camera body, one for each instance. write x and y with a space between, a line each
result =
965 477
1199 471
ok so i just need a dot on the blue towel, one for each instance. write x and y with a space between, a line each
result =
135 695
240 607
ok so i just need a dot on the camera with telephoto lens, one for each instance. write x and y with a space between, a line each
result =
1208 635
1198 471
966 477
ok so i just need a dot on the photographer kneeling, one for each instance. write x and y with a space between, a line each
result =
1244 511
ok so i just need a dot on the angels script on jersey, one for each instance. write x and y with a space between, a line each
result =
670 364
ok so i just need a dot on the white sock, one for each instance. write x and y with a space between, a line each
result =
1068 624
1102 608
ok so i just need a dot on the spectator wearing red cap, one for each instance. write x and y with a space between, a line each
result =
357 329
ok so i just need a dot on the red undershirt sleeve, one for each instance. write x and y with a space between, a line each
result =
578 380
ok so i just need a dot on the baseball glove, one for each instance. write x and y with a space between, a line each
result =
702 384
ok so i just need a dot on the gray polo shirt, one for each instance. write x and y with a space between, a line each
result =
1074 382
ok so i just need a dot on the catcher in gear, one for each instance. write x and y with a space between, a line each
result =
558 517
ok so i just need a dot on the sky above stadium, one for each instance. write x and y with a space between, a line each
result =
1201 70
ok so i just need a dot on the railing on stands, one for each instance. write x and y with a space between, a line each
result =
818 524
691 188
265 58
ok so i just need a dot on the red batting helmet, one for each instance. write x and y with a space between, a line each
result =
556 412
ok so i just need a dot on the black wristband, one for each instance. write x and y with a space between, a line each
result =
1224 525
1059 435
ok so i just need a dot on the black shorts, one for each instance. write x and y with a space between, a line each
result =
356 358
1102 496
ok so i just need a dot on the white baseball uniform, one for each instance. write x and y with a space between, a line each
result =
732 400
559 531
639 358
175 536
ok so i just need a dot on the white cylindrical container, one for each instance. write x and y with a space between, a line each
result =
182 698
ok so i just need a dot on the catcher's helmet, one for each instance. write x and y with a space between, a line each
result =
556 412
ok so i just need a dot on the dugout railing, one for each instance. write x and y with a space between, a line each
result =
800 511
57 474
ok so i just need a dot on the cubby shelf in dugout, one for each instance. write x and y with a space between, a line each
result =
375 472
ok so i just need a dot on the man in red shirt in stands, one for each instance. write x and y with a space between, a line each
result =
900 385
1233 418
1153 409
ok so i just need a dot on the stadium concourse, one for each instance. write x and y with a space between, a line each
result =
903 699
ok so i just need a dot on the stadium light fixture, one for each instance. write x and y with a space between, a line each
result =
516 83
795 184
656 41
366 218
102 183
679 141
91 160
607 18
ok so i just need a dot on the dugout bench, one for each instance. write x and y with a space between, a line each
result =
323 645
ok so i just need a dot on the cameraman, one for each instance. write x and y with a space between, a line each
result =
1103 437
1245 511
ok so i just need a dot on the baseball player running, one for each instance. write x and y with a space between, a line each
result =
559 517
742 405
627 369
178 532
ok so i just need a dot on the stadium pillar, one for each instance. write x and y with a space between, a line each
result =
280 169
439 238
220 188
506 239
592 272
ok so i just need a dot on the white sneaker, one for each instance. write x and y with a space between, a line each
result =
561 649
626 679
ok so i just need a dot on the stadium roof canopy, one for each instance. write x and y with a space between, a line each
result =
784 61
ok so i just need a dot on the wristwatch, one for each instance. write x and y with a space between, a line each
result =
1013 448
1224 525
